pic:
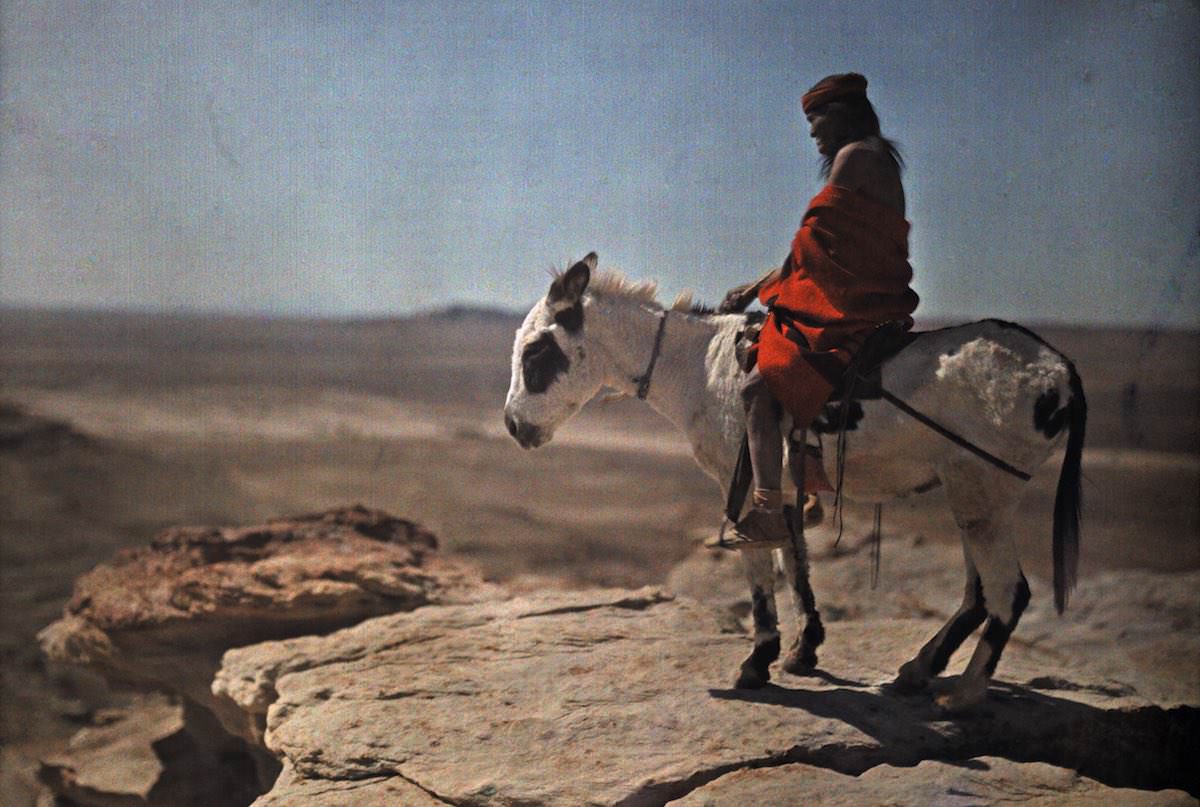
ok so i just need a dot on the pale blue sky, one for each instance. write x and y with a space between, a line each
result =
377 158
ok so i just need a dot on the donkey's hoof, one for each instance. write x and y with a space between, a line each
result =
961 699
750 678
800 661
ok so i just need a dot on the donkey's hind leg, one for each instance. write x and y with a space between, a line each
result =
936 653
1004 611
755 670
982 506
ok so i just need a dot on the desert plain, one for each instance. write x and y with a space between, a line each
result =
114 426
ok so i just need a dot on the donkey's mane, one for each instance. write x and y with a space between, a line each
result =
614 284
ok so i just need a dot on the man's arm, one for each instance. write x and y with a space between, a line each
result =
737 298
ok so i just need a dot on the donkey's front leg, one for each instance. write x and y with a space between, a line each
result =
801 657
755 671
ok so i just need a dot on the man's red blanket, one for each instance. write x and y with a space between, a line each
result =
848 273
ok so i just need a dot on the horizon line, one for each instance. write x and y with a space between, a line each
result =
463 308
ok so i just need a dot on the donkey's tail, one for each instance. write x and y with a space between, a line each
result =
1068 501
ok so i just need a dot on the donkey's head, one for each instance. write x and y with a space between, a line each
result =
552 373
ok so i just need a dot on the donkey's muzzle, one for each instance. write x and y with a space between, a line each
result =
528 435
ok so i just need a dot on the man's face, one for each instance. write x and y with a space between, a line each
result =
827 128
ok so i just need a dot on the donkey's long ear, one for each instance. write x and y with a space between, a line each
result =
570 286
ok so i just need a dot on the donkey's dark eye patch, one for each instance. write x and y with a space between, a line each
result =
542 361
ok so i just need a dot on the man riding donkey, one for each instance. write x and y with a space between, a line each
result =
847 273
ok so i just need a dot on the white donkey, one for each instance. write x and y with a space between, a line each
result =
993 384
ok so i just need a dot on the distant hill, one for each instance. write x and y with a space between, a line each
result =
463 311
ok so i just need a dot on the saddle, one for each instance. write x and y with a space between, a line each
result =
862 380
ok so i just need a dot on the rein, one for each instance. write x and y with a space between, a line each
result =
958 440
643 380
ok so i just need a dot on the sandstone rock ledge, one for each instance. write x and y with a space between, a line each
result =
158 619
618 697
154 752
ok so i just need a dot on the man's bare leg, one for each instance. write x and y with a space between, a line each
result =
765 524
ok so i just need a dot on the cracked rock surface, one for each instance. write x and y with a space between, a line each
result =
619 697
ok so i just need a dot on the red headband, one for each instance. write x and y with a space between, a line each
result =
833 88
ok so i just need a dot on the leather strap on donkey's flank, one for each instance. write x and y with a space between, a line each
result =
962 442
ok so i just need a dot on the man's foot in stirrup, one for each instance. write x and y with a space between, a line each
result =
761 528
764 527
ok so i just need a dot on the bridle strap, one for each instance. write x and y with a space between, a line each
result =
643 380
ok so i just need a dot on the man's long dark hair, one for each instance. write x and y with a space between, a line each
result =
862 124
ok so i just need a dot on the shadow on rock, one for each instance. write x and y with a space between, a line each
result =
1146 747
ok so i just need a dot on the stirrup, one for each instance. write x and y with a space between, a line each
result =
758 529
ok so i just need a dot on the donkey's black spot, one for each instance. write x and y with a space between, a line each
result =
830 419
541 362
1021 598
996 634
969 617
571 319
1048 417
